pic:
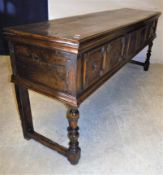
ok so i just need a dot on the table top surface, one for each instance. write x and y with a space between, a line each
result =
79 28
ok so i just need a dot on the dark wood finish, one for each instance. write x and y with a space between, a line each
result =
147 62
49 143
73 134
137 62
24 110
68 59
53 69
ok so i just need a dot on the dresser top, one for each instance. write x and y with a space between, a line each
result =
83 27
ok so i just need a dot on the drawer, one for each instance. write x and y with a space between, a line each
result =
132 44
151 29
93 66
136 41
141 38
114 53
145 34
46 67
101 60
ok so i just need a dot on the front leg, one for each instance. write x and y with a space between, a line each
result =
73 153
147 62
24 110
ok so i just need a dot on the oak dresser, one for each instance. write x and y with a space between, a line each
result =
69 58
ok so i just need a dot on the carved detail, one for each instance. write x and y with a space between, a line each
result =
132 44
93 61
141 38
152 29
115 51
147 62
73 153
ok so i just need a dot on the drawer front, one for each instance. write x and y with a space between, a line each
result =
101 60
106 58
47 67
92 66
139 38
151 29
114 53
132 44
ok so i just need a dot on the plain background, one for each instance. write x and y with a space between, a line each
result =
63 8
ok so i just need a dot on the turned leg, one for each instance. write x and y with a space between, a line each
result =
24 110
73 153
147 62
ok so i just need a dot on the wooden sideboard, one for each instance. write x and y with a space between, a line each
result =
69 58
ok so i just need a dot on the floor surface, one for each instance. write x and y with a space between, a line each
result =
121 128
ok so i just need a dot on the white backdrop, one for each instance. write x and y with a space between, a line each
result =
63 8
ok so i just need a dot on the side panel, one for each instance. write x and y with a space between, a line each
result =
50 68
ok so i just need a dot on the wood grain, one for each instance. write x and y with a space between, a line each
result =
69 59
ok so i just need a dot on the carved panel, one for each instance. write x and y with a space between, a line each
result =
104 59
139 38
93 65
101 60
141 35
152 29
114 53
46 67
132 46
